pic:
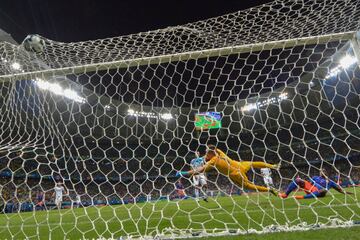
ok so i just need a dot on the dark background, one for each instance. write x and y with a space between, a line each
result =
69 20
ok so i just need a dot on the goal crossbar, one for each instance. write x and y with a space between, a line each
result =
282 44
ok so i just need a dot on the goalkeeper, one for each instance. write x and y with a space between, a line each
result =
317 187
235 170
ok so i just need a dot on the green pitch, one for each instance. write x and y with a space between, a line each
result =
239 212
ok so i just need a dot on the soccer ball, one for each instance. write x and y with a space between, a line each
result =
34 43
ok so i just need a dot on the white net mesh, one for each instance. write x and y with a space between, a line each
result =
113 121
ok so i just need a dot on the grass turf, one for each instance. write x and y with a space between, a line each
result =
324 234
237 212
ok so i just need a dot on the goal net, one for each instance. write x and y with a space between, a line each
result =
96 137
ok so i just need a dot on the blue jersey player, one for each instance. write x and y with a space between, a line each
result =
180 189
317 187
40 200
199 179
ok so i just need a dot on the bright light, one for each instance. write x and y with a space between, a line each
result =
164 116
107 107
345 63
71 94
264 103
58 90
283 96
42 84
248 107
16 66
141 114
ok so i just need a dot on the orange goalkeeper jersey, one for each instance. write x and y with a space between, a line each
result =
224 164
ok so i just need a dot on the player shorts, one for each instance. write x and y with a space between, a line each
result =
58 200
181 192
309 188
199 180
268 181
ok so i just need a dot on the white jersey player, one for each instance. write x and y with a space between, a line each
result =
78 200
199 179
58 192
266 173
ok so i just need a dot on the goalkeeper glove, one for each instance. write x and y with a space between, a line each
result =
182 174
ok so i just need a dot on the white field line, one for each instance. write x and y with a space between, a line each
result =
181 216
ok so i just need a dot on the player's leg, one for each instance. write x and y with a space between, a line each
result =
291 187
197 192
59 203
204 191
332 184
299 183
266 182
251 186
41 204
196 185
270 182
245 166
203 184
181 193
263 165
242 181
315 194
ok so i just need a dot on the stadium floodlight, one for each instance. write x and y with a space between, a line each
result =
344 63
249 107
264 103
134 113
16 66
150 115
166 116
58 90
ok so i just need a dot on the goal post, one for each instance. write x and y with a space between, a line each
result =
243 123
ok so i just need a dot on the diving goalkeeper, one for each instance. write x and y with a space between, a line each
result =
235 170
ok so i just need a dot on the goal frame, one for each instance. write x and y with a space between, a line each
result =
247 48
